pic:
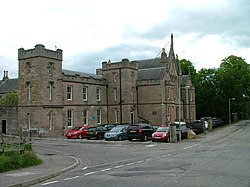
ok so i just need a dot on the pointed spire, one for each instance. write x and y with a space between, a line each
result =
172 40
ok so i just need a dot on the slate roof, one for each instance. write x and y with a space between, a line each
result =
10 85
81 74
150 69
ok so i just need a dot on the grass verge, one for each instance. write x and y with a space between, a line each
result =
14 160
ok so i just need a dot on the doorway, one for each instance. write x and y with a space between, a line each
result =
4 127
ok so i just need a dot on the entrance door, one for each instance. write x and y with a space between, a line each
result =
4 128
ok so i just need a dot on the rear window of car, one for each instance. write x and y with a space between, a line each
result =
92 129
133 127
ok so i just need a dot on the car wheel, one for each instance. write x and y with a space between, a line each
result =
119 138
98 137
168 139
80 136
129 139
88 138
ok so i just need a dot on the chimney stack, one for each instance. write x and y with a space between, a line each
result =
5 75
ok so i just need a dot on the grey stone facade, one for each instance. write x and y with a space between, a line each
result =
152 90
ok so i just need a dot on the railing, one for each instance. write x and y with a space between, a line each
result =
13 143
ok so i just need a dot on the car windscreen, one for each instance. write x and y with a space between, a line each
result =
116 129
162 129
77 128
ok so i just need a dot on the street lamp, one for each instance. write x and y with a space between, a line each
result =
229 108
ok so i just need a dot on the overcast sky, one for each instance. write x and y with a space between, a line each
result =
92 31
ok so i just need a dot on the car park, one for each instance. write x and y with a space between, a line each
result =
77 132
142 131
117 133
161 134
96 132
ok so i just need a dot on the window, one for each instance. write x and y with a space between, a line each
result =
50 90
116 94
28 120
85 93
98 115
28 91
85 117
114 77
50 120
168 93
116 116
70 118
50 68
69 92
28 67
98 94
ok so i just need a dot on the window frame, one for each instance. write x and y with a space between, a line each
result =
69 94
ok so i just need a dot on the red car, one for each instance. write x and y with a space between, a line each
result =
161 134
77 132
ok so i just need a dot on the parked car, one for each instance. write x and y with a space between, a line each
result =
117 133
181 128
140 131
197 126
161 134
110 126
96 132
77 132
156 126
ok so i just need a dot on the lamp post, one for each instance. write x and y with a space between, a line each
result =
229 108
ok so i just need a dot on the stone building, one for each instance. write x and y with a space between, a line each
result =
152 90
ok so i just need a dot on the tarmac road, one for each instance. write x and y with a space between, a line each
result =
218 158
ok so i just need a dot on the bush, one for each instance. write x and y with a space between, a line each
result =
15 160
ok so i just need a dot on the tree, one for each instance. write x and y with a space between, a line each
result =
208 98
10 100
188 68
234 76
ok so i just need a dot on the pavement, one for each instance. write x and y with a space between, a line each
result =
53 165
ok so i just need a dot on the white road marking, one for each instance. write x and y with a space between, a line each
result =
140 161
70 178
120 166
129 164
148 159
151 145
47 183
90 173
84 168
195 145
107 169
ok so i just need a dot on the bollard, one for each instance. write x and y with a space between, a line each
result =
203 125
210 124
173 137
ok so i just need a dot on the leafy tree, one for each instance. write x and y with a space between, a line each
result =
188 68
10 100
208 98
234 76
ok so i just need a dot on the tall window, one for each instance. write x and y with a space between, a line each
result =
85 93
28 120
69 92
50 120
116 116
28 91
50 90
70 118
98 94
98 116
85 117
50 68
28 67
168 93
116 94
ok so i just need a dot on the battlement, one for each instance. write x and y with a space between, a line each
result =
125 63
40 51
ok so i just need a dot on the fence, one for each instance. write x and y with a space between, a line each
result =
13 143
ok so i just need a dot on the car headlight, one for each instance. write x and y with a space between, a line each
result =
153 134
164 135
